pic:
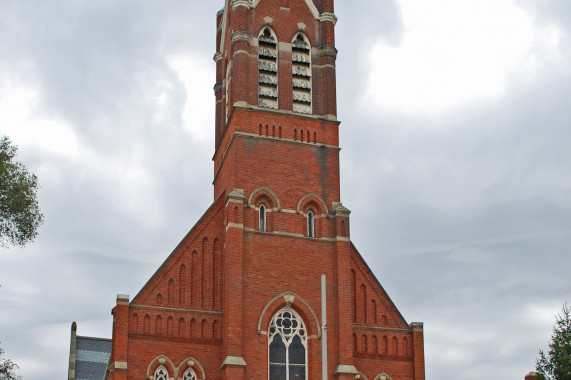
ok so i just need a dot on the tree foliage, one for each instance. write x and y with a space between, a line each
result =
8 369
556 364
20 214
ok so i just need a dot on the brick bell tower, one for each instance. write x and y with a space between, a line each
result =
240 296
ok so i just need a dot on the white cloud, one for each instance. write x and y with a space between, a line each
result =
196 73
453 52
21 120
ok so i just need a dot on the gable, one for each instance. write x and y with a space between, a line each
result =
372 304
190 278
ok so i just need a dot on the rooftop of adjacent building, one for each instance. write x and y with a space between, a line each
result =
89 357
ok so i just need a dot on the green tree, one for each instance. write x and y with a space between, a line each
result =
8 368
556 364
20 214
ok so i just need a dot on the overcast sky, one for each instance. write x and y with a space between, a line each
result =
456 164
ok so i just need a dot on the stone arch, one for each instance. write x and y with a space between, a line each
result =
382 376
295 302
194 365
312 200
161 360
263 193
360 376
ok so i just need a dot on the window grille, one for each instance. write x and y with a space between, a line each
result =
267 70
301 74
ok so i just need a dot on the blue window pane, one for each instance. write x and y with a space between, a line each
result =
277 372
296 372
296 351
277 350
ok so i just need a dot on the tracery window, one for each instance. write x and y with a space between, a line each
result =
310 224
267 69
301 74
288 342
262 219
161 373
189 375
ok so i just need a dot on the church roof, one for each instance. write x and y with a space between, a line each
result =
91 358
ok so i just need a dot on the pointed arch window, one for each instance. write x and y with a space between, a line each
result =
301 74
267 69
161 373
262 219
310 224
189 374
287 341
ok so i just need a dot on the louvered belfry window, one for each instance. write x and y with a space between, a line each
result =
301 74
267 70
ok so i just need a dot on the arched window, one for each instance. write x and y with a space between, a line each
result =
267 69
301 74
288 342
161 373
262 219
310 225
189 374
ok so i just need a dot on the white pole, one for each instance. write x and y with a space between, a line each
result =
324 328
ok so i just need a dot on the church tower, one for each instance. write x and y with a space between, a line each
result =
240 297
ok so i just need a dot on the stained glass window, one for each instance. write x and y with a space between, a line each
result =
161 374
287 347
189 375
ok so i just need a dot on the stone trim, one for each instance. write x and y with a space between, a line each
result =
325 51
290 298
210 312
234 225
242 35
328 17
120 366
380 328
311 195
344 369
233 361
253 135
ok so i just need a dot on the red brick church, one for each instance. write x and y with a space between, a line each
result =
240 297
